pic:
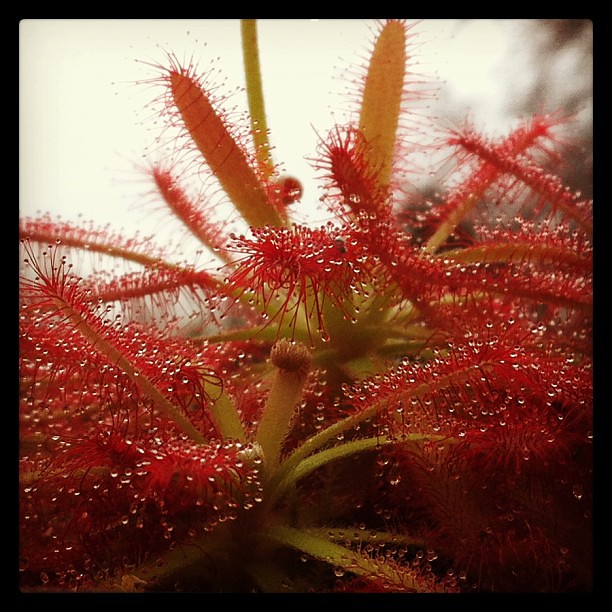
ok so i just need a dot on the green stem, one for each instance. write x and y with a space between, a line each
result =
318 460
318 440
313 545
227 419
355 562
278 413
289 478
336 534
250 51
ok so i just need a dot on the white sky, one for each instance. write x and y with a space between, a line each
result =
83 127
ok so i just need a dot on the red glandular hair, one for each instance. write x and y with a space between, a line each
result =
350 179
504 491
106 493
481 409
297 270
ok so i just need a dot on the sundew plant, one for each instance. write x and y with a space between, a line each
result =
397 399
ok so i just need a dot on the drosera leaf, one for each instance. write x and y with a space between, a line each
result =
60 293
382 97
464 197
356 562
225 156
190 211
100 240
